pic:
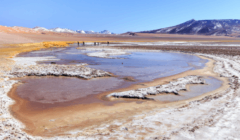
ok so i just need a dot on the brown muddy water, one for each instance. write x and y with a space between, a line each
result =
48 92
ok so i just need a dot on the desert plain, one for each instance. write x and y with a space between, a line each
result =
120 113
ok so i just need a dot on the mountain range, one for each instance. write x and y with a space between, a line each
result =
64 30
230 27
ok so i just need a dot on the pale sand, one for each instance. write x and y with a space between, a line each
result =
6 38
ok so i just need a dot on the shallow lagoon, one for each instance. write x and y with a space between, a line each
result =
47 92
143 66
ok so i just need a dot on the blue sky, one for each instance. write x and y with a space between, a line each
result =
115 15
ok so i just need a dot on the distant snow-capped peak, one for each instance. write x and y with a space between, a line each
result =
62 30
91 32
40 29
80 31
105 32
102 32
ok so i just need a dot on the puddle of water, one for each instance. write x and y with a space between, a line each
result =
194 91
47 92
63 89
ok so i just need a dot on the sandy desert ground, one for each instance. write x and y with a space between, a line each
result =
213 115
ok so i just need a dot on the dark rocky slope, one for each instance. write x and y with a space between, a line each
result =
229 27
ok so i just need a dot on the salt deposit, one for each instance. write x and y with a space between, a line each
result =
27 66
58 70
10 128
212 117
28 61
173 87
108 53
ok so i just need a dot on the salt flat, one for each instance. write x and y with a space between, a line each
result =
212 115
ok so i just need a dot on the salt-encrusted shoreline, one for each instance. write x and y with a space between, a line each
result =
172 87
10 127
111 53
58 70
116 50
32 69
27 66
213 117
174 43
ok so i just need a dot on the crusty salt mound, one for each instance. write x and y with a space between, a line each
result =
58 70
172 87
27 66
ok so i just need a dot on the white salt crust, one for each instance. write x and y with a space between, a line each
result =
213 117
